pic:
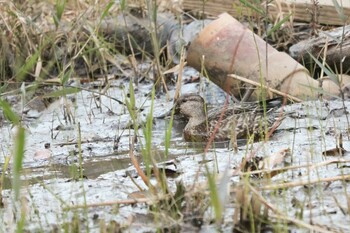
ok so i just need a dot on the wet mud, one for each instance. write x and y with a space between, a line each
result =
50 184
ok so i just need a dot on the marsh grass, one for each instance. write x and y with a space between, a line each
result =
167 204
29 58
92 52
253 210
255 218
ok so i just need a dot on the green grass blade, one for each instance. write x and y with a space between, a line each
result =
63 92
108 7
30 63
123 5
278 25
130 104
18 160
168 134
147 132
339 10
321 91
8 113
66 76
60 6
3 88
21 222
251 6
328 72
2 179
214 196
132 94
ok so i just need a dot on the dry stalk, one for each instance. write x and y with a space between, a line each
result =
279 215
295 99
310 166
323 65
137 166
111 203
298 222
315 13
180 71
304 182
217 126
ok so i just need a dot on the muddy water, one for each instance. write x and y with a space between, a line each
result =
49 185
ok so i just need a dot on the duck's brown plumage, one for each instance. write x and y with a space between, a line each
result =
235 121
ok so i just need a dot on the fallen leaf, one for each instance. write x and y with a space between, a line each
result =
42 154
273 160
338 150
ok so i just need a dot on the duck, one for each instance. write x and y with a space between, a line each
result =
233 122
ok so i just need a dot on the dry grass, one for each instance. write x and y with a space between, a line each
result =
39 43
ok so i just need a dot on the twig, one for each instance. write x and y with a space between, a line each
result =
280 215
110 203
304 182
99 93
180 72
84 141
264 86
137 165
300 223
311 166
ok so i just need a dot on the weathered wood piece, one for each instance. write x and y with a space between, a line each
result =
337 42
128 30
278 9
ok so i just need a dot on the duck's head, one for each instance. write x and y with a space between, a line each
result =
190 105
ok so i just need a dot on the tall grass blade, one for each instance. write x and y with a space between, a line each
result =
328 71
66 76
63 92
278 25
147 132
168 134
30 63
3 88
123 5
108 7
18 151
251 6
4 168
321 91
130 104
339 10
18 159
60 5
8 113
21 222
214 196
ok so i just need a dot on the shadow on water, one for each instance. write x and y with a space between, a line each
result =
92 168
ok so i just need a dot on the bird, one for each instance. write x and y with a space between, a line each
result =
237 121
